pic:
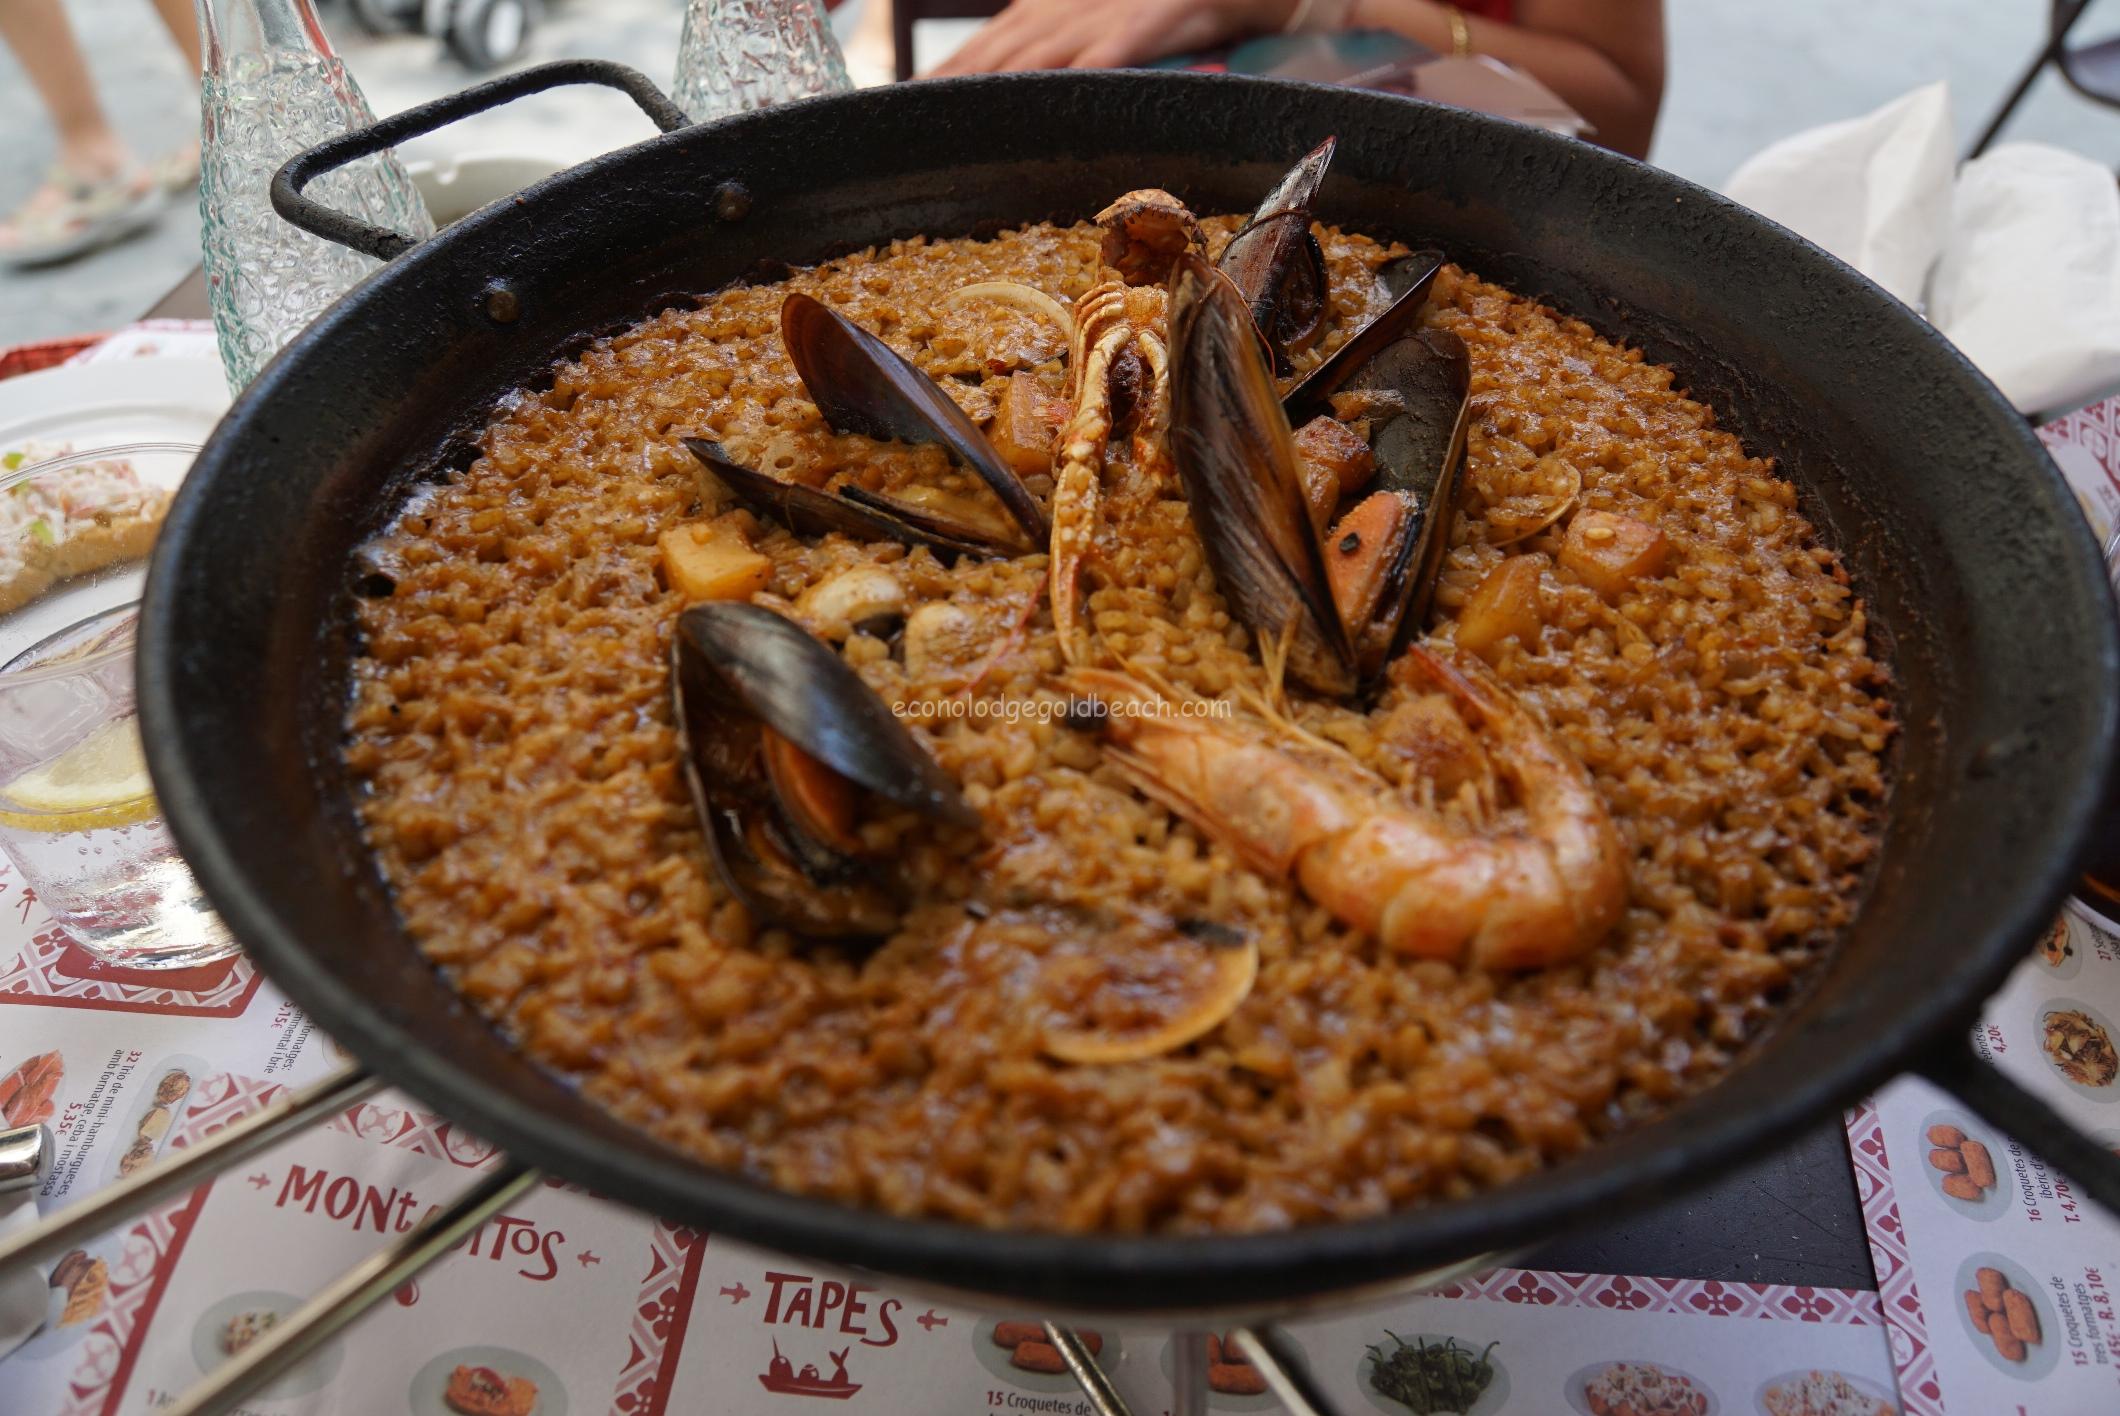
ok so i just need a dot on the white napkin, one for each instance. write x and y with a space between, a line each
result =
2016 258
1875 191
25 1296
2029 282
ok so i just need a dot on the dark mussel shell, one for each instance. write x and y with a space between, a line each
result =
1420 448
1277 264
809 512
862 385
1408 279
1299 187
738 671
1237 458
1279 269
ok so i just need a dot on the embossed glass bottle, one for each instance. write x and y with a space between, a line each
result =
740 54
272 87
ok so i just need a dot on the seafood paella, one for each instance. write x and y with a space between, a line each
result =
1164 723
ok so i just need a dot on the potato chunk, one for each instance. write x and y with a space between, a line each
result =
703 561
1608 552
1025 421
1509 602
1335 460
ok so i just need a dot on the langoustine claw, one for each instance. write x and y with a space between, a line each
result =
1420 885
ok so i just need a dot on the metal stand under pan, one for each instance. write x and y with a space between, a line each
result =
26 1154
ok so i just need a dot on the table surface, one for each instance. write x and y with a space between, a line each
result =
1789 1217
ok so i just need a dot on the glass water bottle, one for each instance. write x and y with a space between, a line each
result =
741 54
272 87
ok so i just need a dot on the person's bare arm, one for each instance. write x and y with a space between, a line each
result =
1106 34
1605 57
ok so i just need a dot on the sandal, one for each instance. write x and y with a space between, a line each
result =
71 216
177 171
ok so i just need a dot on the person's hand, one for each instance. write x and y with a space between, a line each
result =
1108 34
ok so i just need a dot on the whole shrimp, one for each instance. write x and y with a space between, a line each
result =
1418 884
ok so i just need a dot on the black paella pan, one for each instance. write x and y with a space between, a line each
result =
1981 579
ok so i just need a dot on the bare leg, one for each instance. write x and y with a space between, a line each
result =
97 193
38 33
179 168
183 23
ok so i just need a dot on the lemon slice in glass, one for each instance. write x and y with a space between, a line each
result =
100 781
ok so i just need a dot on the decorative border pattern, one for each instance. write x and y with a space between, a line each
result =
52 971
1698 1297
2095 429
1920 1393
391 1122
660 1316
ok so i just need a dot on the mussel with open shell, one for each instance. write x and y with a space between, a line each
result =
1335 606
862 385
780 741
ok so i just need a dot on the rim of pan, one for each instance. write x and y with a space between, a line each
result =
1104 1272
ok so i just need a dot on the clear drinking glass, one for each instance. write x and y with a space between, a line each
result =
77 813
272 87
736 55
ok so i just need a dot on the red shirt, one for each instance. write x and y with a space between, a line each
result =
1489 9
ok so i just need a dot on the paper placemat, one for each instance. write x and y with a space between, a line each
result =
1960 1216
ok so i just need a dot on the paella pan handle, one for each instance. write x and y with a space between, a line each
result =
381 242
1959 1070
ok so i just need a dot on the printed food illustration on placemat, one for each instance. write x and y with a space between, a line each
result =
78 1292
486 1381
2077 1042
26 1093
2058 949
1960 1166
1430 1374
1816 1393
1017 1351
146 1127
1638 1389
240 1319
2009 1319
1233 1383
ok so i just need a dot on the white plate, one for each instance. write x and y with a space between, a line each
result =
1863 1385
313 1374
1494 1401
425 1398
122 401
995 1359
2039 1357
51 1339
1578 1388
1994 1202
126 1133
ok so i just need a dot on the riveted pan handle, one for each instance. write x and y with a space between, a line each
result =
1959 1070
381 242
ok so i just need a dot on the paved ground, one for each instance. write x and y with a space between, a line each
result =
1743 74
